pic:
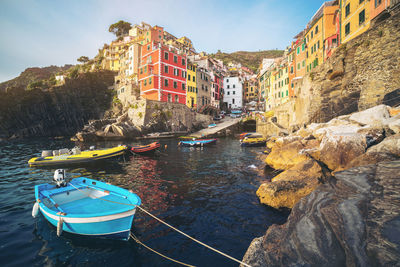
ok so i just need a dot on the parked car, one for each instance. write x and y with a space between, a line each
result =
217 118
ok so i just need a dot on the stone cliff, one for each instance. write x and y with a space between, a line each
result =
58 111
351 221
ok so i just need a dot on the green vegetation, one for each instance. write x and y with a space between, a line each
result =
83 59
251 60
120 28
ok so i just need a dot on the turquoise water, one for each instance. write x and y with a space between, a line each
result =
208 193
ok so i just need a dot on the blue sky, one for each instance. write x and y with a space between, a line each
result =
54 32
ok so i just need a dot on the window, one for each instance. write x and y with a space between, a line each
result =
176 98
312 34
312 49
298 66
316 29
141 69
183 74
148 47
145 69
166 69
183 86
227 80
166 82
145 82
175 85
361 1
377 2
233 92
347 29
227 87
189 77
166 55
318 44
169 98
298 50
175 59
233 86
150 80
233 101
361 17
177 72
347 10
183 62
291 69
228 92
304 63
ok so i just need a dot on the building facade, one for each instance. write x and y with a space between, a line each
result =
191 86
355 18
233 92
162 73
203 84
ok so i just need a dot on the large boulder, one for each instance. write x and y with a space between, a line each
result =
286 156
372 116
340 145
353 221
287 188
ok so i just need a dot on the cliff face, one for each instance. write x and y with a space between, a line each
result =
360 74
60 111
351 221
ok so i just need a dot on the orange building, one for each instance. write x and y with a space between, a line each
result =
377 7
331 24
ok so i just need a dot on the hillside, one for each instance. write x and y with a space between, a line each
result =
250 60
32 75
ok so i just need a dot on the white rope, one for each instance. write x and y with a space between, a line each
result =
170 226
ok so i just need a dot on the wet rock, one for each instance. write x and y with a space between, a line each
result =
352 221
287 188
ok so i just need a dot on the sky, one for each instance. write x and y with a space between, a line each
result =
39 33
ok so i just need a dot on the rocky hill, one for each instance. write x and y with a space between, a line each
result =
248 59
32 75
56 111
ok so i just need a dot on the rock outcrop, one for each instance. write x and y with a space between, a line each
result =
352 220
341 143
142 117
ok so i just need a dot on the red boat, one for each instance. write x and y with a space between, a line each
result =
146 149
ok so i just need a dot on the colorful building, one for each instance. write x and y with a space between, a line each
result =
162 73
233 89
377 7
203 85
191 86
314 41
355 18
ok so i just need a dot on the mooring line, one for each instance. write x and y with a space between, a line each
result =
170 226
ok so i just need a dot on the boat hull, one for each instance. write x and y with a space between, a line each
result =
85 157
88 207
255 144
147 149
198 142
118 227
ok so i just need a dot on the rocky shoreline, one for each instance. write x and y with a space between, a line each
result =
336 214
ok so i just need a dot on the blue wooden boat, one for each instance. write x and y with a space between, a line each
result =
87 207
198 142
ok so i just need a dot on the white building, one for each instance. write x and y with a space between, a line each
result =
233 92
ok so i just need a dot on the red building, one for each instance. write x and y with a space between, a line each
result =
162 73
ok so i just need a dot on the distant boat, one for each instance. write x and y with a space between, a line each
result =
198 142
187 137
146 149
254 140
87 207
66 156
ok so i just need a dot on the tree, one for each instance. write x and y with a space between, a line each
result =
83 59
120 28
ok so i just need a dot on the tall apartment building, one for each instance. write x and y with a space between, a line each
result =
355 18
203 84
162 73
233 92
191 86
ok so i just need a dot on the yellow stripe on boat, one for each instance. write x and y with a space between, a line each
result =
254 140
84 156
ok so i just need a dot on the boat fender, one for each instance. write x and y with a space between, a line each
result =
60 226
35 210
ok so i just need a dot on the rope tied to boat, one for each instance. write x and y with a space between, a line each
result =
170 226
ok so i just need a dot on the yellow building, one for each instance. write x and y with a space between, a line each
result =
185 41
314 40
191 89
355 18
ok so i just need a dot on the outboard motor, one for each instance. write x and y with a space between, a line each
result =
59 178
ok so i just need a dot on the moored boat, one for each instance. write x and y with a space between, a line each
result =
86 207
146 149
253 140
198 142
66 156
243 135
